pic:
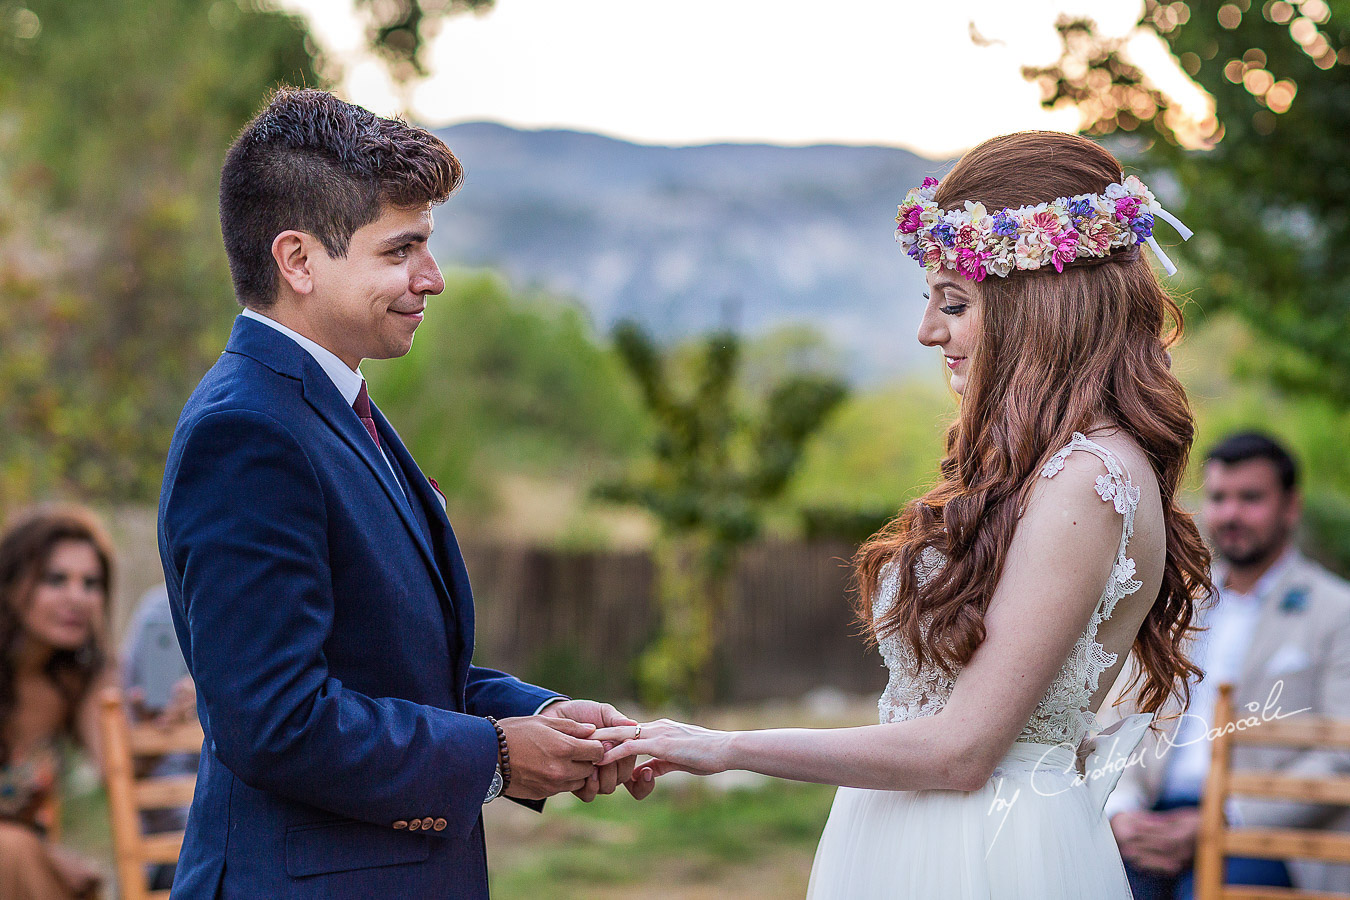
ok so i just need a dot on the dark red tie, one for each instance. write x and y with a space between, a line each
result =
362 406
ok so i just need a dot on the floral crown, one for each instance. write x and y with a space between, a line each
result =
977 243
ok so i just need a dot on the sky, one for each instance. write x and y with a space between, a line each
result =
901 73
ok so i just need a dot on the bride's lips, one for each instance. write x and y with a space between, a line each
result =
954 361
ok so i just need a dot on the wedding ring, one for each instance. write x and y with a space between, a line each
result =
637 732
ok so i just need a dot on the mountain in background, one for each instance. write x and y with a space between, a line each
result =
687 239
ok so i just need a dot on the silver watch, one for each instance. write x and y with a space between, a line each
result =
496 785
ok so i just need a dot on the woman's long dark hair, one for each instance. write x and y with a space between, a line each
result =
1057 353
25 551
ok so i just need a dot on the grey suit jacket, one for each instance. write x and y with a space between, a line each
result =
1299 659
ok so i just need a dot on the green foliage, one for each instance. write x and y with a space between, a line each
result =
877 452
398 30
1269 201
496 382
1312 426
114 292
714 470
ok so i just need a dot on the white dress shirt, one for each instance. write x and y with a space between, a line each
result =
1221 651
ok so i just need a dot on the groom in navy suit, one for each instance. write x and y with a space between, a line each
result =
317 589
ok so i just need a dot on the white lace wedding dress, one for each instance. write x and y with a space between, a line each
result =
1035 831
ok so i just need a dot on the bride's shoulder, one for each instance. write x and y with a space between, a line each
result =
1106 448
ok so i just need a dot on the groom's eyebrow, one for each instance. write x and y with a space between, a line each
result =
413 236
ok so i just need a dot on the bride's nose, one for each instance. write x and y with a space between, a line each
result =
933 329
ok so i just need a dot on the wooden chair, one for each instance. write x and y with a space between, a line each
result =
124 745
1218 839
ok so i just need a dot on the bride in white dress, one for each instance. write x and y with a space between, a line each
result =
1006 600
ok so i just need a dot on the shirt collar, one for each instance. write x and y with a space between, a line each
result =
344 379
1263 584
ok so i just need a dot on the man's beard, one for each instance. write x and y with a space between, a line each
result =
1262 551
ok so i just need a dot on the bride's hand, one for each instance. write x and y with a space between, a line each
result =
676 746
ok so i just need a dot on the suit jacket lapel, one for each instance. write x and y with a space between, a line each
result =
439 532
284 356
1272 629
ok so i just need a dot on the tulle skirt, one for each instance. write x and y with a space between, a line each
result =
1035 831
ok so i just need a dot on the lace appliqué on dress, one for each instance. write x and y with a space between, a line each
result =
1062 716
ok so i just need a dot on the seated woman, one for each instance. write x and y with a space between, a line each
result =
55 575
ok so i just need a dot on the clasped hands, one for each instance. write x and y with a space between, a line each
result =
590 748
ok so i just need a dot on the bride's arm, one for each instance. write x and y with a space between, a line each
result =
1061 554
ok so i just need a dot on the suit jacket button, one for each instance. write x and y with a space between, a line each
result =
427 823
400 824
440 824
414 824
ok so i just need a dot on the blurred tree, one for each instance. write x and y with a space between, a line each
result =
497 381
399 30
713 470
114 293
1270 198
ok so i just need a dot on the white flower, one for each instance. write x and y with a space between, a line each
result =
1054 466
1124 570
1106 488
1031 251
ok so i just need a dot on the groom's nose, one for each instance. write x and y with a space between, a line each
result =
427 278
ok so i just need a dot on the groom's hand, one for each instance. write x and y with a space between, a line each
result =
604 779
549 755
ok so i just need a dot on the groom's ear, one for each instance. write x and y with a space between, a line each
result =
292 251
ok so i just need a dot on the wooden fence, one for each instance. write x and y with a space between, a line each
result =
577 621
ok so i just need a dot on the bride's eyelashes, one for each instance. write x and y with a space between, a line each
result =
951 309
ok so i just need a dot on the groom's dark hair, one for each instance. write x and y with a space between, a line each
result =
317 164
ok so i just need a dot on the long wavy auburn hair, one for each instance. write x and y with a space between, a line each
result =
1057 353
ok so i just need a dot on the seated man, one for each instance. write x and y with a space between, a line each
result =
158 687
1279 631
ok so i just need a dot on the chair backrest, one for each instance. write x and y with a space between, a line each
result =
1218 839
125 745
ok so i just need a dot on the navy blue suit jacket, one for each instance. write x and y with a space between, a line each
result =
324 611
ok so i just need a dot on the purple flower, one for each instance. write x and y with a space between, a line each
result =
1004 224
944 233
1142 226
909 220
915 252
971 264
930 181
1127 208
1081 207
1066 249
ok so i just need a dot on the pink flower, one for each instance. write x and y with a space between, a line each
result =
1046 222
909 219
932 256
970 263
1095 237
1127 208
930 181
966 236
1066 248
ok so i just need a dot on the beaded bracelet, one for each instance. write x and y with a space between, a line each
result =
503 754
